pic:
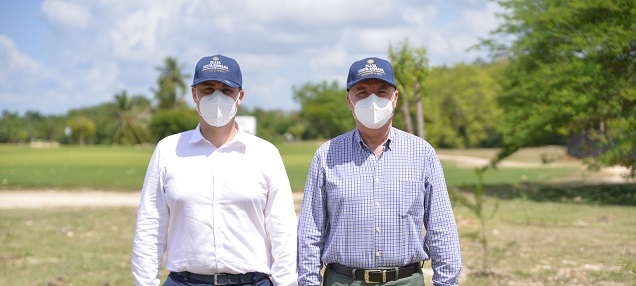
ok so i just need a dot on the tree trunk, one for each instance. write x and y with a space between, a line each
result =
419 113
406 112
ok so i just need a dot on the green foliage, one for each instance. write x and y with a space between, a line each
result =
12 128
273 125
29 127
410 66
81 127
168 122
105 118
572 68
603 194
171 85
130 126
462 106
324 108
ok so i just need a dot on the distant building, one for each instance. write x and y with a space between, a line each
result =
247 124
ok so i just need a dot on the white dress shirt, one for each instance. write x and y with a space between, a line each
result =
225 210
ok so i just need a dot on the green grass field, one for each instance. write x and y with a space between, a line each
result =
122 168
70 167
539 234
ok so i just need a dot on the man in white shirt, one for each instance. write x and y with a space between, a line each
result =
216 200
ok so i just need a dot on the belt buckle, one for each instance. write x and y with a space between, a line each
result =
367 272
216 281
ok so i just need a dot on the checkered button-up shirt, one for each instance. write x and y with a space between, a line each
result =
368 212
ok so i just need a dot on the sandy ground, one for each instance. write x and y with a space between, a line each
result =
58 198
10 199
88 198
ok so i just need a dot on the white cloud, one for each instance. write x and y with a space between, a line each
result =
13 60
26 84
102 78
101 47
133 38
65 14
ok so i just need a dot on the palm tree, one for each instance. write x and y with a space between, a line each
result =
129 125
171 79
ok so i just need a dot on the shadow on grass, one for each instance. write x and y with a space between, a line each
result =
602 194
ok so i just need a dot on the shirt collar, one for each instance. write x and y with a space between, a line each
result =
357 138
196 136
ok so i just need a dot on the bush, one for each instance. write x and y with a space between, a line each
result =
168 122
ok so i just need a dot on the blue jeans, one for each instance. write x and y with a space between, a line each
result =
176 280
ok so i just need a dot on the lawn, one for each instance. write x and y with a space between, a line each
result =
122 168
538 234
72 167
531 243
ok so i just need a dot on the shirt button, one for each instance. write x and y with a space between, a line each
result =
377 204
377 254
377 229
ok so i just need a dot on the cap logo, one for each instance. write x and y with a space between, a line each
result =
215 65
370 68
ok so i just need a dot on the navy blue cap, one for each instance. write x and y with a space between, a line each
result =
370 68
218 68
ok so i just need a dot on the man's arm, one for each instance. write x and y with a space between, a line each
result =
152 224
441 238
281 225
311 226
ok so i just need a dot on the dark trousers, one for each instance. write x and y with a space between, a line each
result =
176 280
334 279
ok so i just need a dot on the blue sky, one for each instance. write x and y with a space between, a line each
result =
58 55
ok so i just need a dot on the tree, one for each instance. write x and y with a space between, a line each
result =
171 85
572 69
129 126
82 127
324 108
13 129
273 125
105 118
51 127
463 105
410 66
168 122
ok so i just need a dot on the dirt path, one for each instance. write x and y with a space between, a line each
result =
58 198
11 199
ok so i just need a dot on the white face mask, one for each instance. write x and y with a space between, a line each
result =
374 111
217 109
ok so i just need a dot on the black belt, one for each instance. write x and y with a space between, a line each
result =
376 275
224 279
